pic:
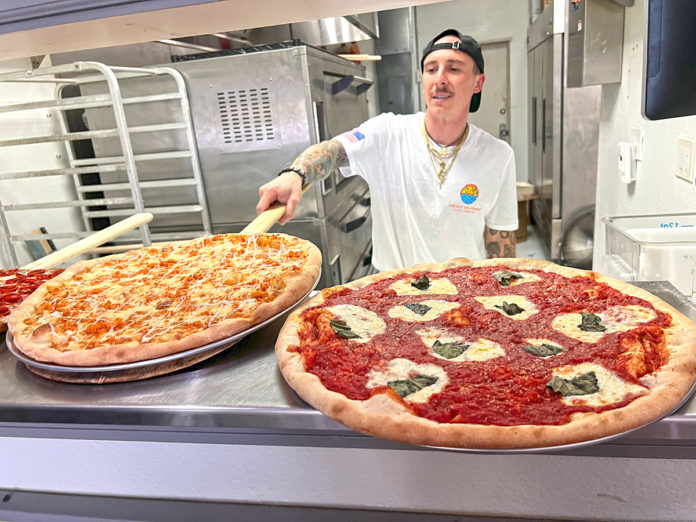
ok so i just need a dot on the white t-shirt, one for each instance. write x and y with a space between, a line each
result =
414 219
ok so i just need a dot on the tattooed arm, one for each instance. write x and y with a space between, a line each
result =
317 162
499 243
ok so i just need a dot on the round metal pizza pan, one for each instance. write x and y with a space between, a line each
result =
214 347
574 445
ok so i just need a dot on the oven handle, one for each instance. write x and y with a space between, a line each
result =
356 223
363 84
321 132
534 120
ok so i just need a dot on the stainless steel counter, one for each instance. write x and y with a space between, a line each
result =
240 397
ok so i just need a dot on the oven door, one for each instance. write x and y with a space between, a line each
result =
349 232
343 107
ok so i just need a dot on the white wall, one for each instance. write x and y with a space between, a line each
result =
25 158
488 21
657 190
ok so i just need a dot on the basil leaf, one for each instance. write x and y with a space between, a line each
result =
449 350
342 329
543 350
581 385
591 323
510 308
506 277
418 308
405 387
422 283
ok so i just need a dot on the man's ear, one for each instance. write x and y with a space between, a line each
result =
479 82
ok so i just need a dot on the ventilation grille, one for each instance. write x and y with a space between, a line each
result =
247 119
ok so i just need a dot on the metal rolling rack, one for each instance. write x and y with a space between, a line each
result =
131 199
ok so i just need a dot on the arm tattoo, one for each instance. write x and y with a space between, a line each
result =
320 160
499 243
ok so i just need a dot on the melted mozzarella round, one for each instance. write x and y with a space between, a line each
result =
399 369
363 322
480 350
437 286
437 308
612 388
494 301
615 319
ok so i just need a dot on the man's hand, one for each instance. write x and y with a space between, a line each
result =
499 243
317 162
285 189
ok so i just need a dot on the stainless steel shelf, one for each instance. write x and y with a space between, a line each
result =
180 209
62 172
107 133
164 183
110 80
84 102
70 204
137 157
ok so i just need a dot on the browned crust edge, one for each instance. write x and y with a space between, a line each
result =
383 417
297 286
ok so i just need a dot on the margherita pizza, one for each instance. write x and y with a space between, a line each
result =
17 284
503 353
161 300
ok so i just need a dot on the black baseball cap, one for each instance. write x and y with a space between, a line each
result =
467 45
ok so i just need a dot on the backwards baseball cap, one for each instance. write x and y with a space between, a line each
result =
467 45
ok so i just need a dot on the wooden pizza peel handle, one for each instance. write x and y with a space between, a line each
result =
266 219
91 241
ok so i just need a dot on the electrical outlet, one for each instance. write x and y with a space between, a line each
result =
685 158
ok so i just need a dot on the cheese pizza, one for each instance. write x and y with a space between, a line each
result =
165 299
503 353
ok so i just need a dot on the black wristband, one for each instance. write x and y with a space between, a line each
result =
296 171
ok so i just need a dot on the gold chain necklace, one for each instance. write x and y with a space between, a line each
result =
443 159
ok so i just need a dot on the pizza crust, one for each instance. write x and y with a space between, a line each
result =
385 417
38 347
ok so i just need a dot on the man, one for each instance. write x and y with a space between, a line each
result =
440 188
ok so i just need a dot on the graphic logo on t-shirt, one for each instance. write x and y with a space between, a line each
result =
354 136
469 193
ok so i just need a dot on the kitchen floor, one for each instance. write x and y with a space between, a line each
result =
533 246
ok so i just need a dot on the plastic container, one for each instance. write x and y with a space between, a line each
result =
652 248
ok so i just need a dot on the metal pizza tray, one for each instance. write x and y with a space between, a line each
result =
169 363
